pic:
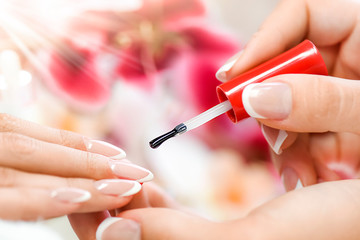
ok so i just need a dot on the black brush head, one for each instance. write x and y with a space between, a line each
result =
156 142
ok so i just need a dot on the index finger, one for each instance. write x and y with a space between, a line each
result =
9 123
285 27
325 22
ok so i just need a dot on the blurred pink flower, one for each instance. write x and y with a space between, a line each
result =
138 40
171 35
77 80
75 67
158 38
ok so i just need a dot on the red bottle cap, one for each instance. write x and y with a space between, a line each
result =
303 58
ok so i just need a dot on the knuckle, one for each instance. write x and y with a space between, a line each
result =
18 144
96 166
7 122
64 137
7 177
90 166
324 104
70 139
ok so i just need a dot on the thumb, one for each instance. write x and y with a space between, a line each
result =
284 28
305 103
158 223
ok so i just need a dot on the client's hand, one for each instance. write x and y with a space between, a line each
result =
323 211
48 172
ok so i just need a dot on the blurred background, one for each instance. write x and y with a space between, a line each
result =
126 71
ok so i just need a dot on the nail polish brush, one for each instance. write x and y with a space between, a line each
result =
303 58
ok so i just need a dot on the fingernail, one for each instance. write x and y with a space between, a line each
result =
274 137
118 228
267 100
344 171
130 171
118 187
290 179
71 195
221 73
298 185
104 148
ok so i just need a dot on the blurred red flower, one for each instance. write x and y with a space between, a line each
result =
139 42
136 47
76 79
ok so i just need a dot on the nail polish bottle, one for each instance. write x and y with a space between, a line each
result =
303 58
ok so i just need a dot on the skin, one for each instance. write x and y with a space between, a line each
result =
34 160
323 211
322 125
322 128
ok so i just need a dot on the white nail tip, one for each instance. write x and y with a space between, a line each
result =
341 167
148 178
104 225
279 141
246 101
87 142
85 197
221 73
135 189
119 156
298 185
282 135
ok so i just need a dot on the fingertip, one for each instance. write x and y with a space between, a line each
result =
104 225
118 228
104 148
296 177
299 185
283 28
295 163
221 74
274 137
242 64
290 178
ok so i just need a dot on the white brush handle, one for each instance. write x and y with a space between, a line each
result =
207 115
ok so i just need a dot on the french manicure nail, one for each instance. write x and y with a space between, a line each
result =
130 171
274 137
290 179
344 171
298 185
221 73
71 195
118 187
104 148
115 228
268 100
